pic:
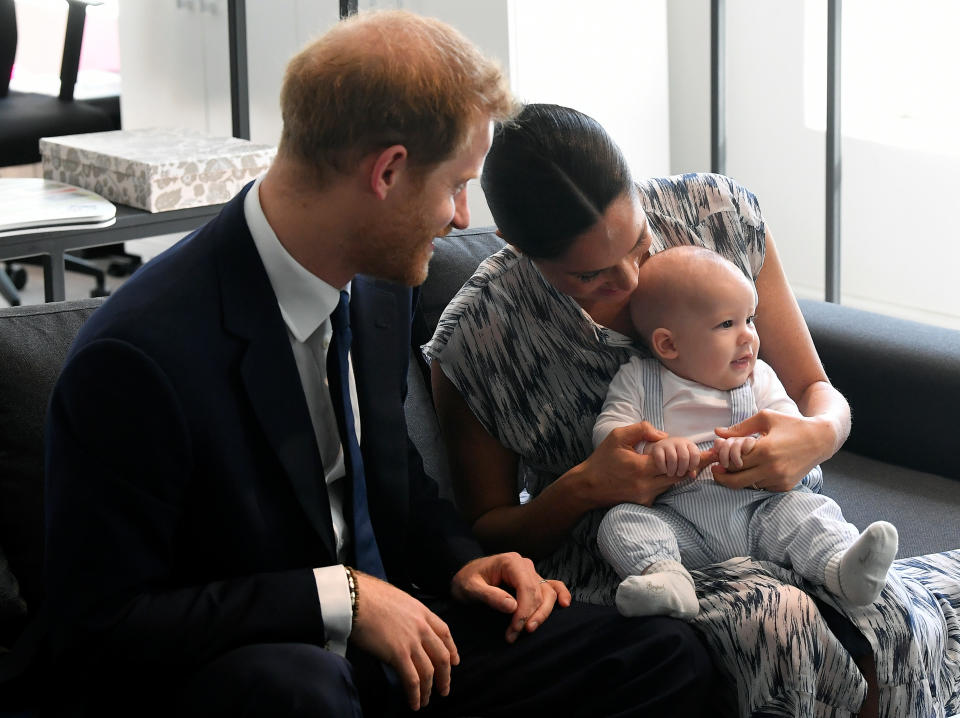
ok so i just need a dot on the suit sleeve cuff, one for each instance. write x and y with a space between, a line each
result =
334 596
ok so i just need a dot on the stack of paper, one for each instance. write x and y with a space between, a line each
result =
36 205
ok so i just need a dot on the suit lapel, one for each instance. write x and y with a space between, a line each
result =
268 370
380 319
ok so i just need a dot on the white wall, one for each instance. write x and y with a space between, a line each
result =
688 32
579 54
175 65
276 31
897 204
607 59
175 61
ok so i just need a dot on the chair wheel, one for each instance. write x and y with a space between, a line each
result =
99 292
18 275
124 268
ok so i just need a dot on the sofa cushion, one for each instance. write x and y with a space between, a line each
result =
924 507
33 343
901 378
455 257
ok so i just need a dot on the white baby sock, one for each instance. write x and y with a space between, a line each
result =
860 573
665 589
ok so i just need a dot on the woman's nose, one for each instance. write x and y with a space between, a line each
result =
625 276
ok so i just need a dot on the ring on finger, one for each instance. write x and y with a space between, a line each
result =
543 580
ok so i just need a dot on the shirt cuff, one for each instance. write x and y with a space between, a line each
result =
334 595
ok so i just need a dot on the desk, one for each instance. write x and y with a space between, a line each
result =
131 224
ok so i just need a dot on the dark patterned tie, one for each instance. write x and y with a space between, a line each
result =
367 555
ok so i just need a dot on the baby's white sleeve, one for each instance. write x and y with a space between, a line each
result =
769 391
624 403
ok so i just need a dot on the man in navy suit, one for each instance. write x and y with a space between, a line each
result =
208 532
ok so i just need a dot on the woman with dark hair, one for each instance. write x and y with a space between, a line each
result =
521 361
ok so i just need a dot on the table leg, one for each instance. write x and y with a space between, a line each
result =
54 287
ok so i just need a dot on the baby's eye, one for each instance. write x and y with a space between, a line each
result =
751 318
726 325
588 277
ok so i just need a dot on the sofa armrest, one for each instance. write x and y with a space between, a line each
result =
902 379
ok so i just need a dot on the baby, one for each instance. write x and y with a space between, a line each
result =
694 309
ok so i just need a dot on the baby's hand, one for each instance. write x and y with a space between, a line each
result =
730 452
675 456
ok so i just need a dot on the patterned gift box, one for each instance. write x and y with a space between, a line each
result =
155 169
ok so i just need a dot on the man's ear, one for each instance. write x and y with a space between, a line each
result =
387 168
663 344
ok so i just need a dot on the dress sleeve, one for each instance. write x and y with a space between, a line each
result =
750 228
708 210
470 342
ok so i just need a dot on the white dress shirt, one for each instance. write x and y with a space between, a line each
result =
306 303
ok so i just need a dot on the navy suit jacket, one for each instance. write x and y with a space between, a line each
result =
186 506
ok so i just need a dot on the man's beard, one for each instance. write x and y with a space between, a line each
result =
401 252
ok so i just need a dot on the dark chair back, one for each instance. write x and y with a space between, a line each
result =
8 43
25 117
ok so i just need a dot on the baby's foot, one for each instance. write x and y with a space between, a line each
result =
860 573
665 589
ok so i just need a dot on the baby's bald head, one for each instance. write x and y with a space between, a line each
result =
671 282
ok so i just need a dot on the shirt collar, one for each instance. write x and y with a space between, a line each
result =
305 300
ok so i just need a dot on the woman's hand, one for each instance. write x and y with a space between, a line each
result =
535 597
788 448
615 473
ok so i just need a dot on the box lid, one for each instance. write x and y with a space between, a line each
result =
159 152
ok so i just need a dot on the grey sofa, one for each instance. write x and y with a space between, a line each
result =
902 462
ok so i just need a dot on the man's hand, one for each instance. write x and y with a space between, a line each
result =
480 581
675 456
399 630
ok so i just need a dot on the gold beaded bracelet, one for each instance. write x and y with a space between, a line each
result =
354 592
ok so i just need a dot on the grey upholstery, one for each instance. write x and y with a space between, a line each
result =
924 507
454 260
33 343
902 380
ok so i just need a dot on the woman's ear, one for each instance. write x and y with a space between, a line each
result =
663 344
387 168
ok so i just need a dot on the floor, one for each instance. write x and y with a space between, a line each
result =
79 286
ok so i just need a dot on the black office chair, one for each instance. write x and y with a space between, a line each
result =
25 117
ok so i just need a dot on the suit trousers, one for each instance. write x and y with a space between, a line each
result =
584 660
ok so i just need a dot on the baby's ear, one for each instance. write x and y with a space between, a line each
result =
662 343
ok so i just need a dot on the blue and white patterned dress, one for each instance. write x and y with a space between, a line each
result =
534 368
